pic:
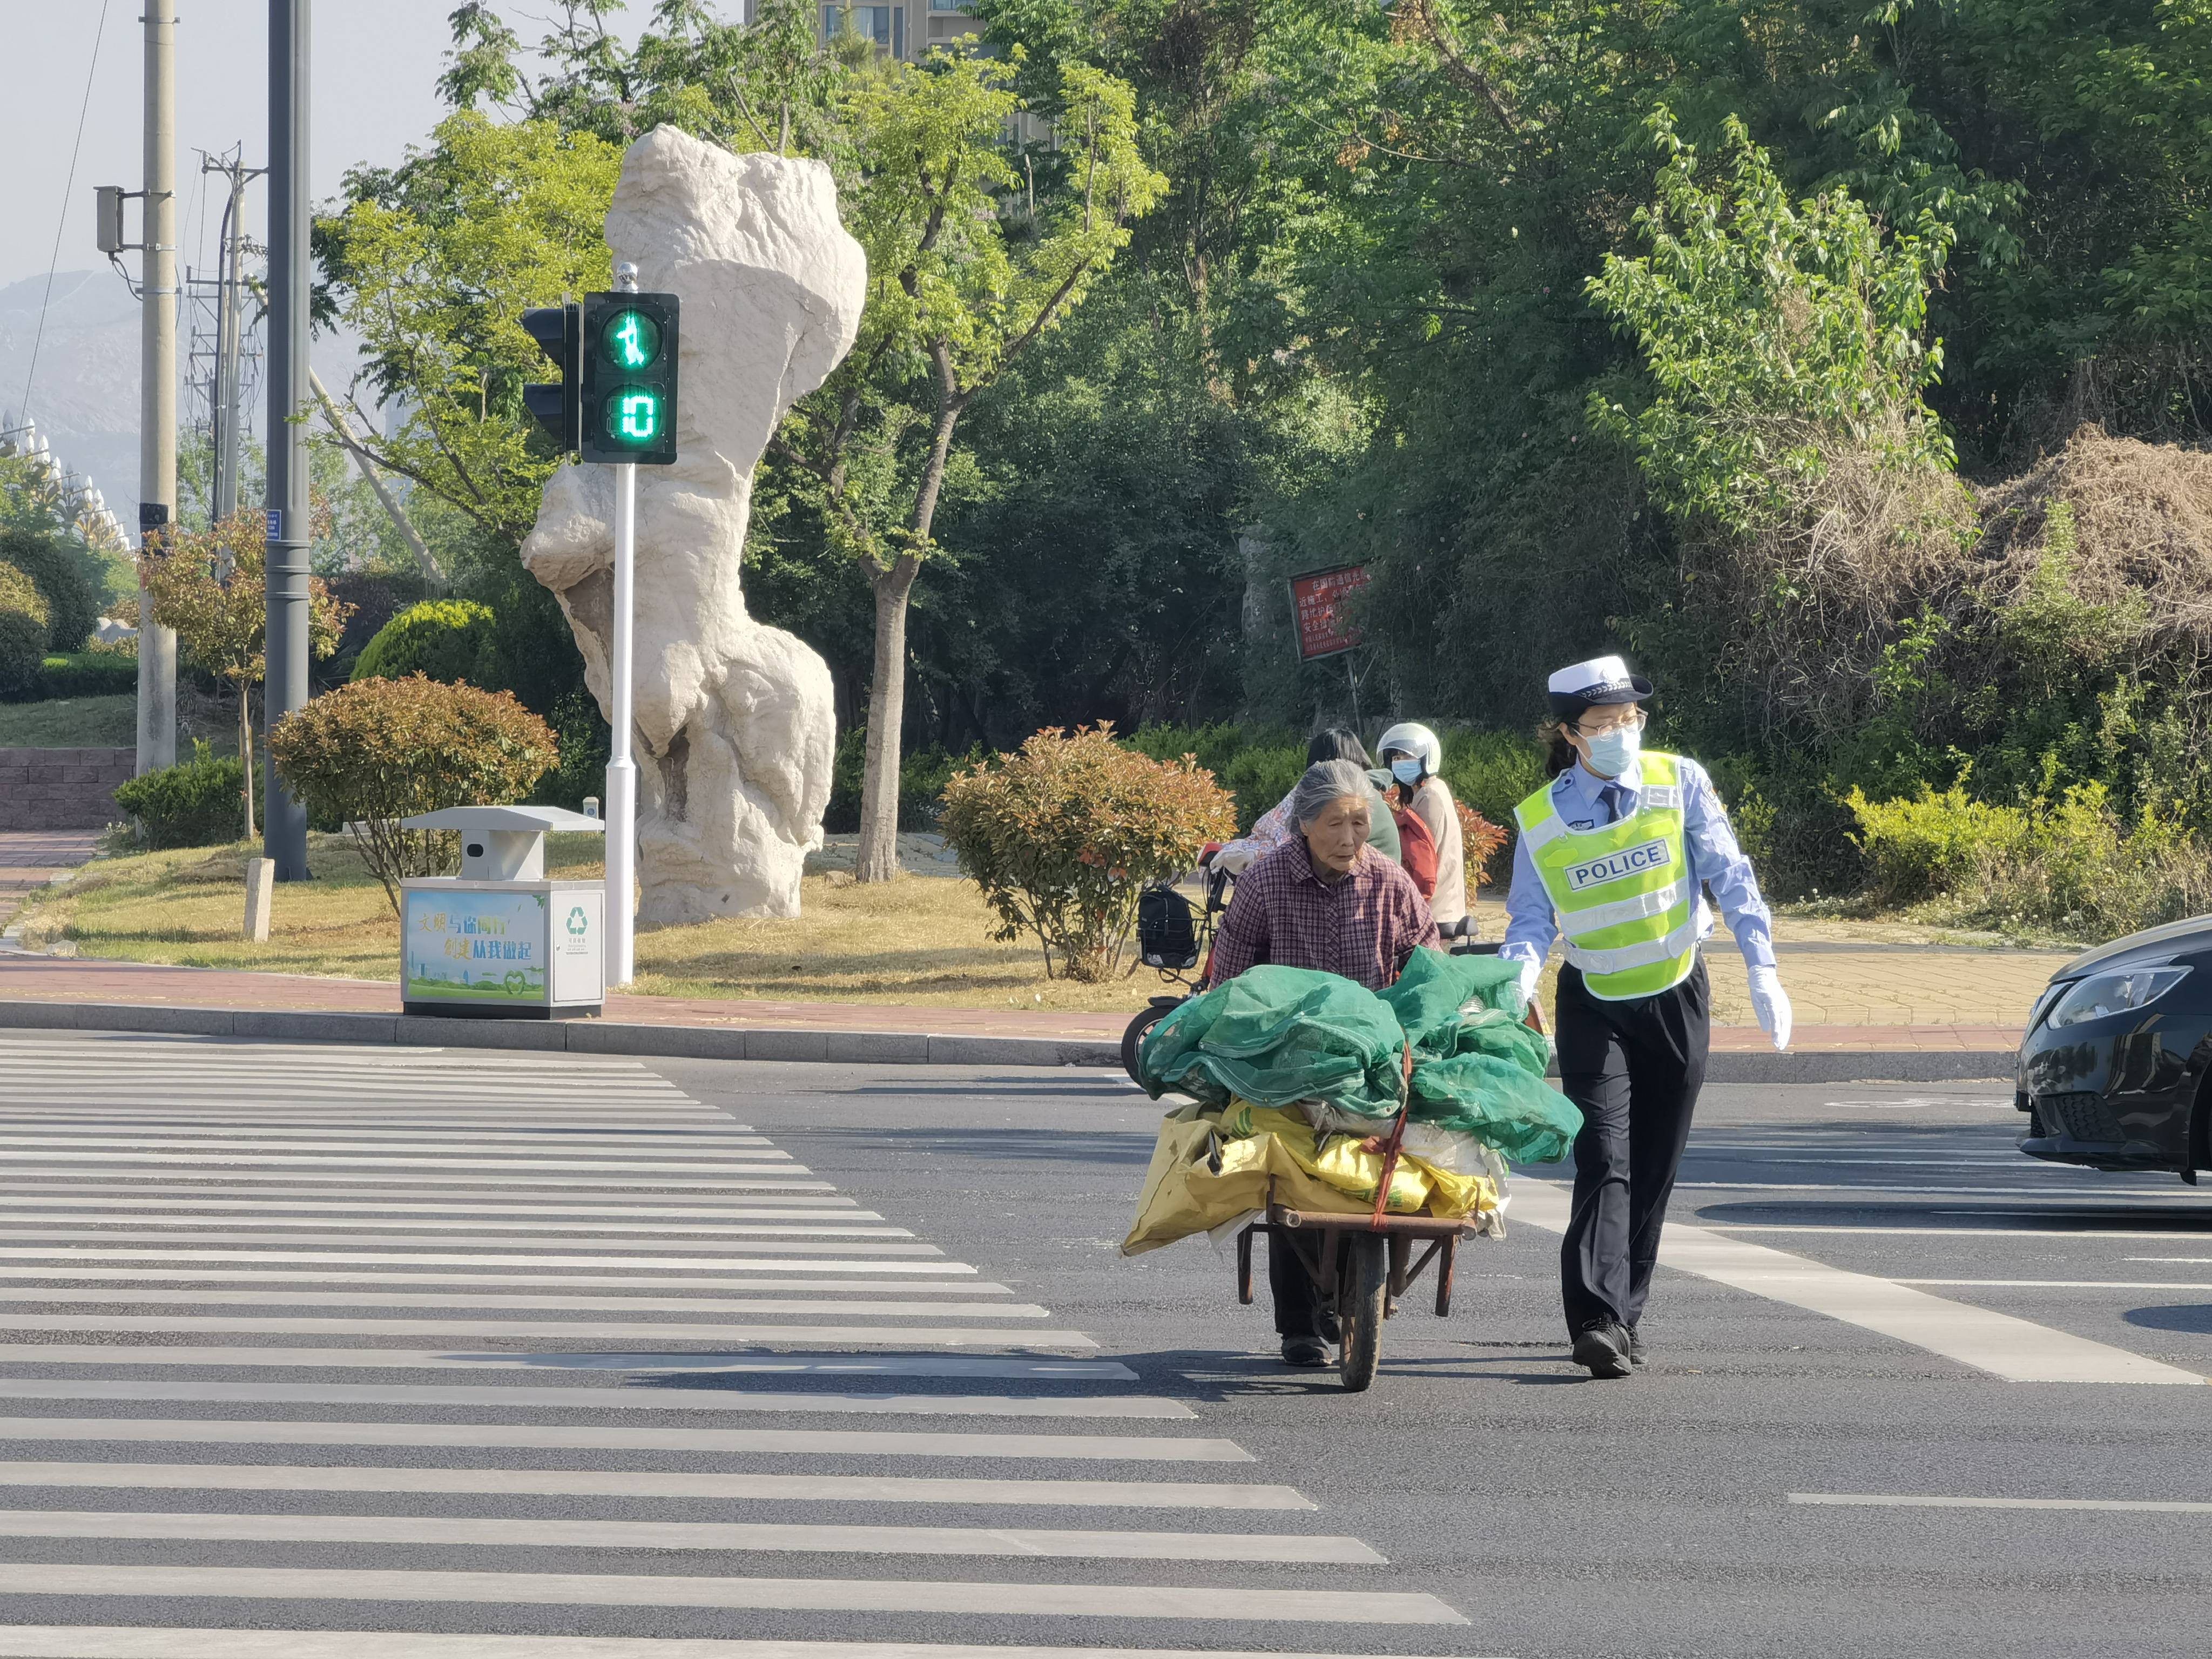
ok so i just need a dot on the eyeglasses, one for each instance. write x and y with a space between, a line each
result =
1628 720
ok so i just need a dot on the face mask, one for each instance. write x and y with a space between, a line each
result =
1407 772
1612 753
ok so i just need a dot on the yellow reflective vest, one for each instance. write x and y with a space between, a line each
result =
1630 912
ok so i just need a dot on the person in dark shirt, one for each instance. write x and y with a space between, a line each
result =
1324 900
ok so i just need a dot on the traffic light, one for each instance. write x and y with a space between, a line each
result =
558 404
630 355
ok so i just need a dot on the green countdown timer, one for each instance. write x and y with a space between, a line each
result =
635 416
633 340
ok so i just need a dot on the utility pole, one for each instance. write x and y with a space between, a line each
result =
621 770
157 372
284 838
229 333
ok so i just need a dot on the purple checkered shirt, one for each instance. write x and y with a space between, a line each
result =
1363 926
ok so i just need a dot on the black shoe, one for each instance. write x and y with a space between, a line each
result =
1603 1347
1635 1355
1306 1352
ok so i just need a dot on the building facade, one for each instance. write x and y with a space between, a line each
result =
903 28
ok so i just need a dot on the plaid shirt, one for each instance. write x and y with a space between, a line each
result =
1363 926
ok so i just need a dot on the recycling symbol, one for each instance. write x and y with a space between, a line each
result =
577 923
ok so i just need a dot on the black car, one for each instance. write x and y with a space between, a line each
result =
2112 1071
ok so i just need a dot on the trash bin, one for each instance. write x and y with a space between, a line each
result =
501 940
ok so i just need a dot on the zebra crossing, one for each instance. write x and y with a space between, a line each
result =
723 1409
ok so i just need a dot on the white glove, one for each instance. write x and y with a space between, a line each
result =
1236 858
1771 1004
1530 973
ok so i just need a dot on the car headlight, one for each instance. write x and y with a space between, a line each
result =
2044 999
2102 994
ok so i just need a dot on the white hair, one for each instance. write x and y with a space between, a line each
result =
1325 783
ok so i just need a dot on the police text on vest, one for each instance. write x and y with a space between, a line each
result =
1617 866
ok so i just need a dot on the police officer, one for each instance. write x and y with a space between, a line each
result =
1616 854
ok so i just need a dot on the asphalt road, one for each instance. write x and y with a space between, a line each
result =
580 1269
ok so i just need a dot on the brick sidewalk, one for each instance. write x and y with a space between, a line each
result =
44 979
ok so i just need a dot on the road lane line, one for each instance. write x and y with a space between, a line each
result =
448 1242
757 1151
155 1224
1270 1605
535 1437
30 1161
416 1396
2016 1349
610 1483
343 1181
163 1252
2018 1284
701 1305
925 1289
1914 1501
634 1201
547 1330
750 1537
763 1361
314 1209
147 1642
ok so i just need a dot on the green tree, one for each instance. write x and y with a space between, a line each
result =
970 264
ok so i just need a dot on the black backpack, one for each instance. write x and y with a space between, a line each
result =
1167 936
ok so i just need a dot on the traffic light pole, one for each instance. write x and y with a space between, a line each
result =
285 823
622 771
157 369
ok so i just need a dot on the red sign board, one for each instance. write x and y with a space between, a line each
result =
1318 603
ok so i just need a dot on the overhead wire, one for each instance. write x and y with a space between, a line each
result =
69 189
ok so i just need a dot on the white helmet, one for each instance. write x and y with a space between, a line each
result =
1416 740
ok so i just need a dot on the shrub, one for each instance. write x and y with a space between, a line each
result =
1063 836
23 632
378 750
1260 777
1490 774
197 803
89 673
1921 845
70 577
447 640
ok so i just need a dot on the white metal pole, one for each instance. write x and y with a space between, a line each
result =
622 772
157 371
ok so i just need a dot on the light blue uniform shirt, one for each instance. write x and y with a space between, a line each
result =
1717 863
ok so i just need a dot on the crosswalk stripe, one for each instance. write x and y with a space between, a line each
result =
496 1200
326 1211
70 1274
1363 1607
419 1396
783 1191
445 1241
757 1151
701 1305
549 1330
781 1537
408 1162
812 1228
607 1483
480 1358
139 1642
535 1436
163 1253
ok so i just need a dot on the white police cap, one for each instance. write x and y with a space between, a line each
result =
1600 680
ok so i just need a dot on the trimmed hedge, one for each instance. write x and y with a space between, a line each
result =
23 632
71 577
86 674
200 802
446 640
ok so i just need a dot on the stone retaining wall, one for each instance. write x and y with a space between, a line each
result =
62 788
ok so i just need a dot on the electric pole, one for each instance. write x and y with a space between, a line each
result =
284 826
229 332
157 372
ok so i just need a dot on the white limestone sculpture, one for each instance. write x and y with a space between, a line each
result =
734 725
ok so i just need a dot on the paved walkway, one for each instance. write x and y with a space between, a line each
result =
31 859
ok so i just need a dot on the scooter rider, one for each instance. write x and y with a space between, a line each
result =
1414 758
1616 853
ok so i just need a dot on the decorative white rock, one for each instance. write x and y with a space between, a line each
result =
735 724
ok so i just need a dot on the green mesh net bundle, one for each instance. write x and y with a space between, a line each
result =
1277 1036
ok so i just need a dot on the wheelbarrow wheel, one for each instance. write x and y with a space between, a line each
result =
1365 1282
1140 1028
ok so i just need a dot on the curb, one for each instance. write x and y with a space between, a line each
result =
567 1037
850 1048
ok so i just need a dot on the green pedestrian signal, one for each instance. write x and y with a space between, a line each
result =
631 355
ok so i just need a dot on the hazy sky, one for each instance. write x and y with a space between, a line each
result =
375 64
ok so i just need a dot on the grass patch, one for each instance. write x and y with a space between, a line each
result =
920 939
109 722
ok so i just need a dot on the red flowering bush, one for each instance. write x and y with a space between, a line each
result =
1479 838
1064 834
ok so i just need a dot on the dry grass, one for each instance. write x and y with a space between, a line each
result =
919 940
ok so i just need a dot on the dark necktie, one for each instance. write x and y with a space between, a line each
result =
1614 798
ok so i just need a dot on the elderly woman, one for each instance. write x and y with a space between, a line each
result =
1326 900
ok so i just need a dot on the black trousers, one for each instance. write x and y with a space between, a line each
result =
1634 1069
1291 1272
